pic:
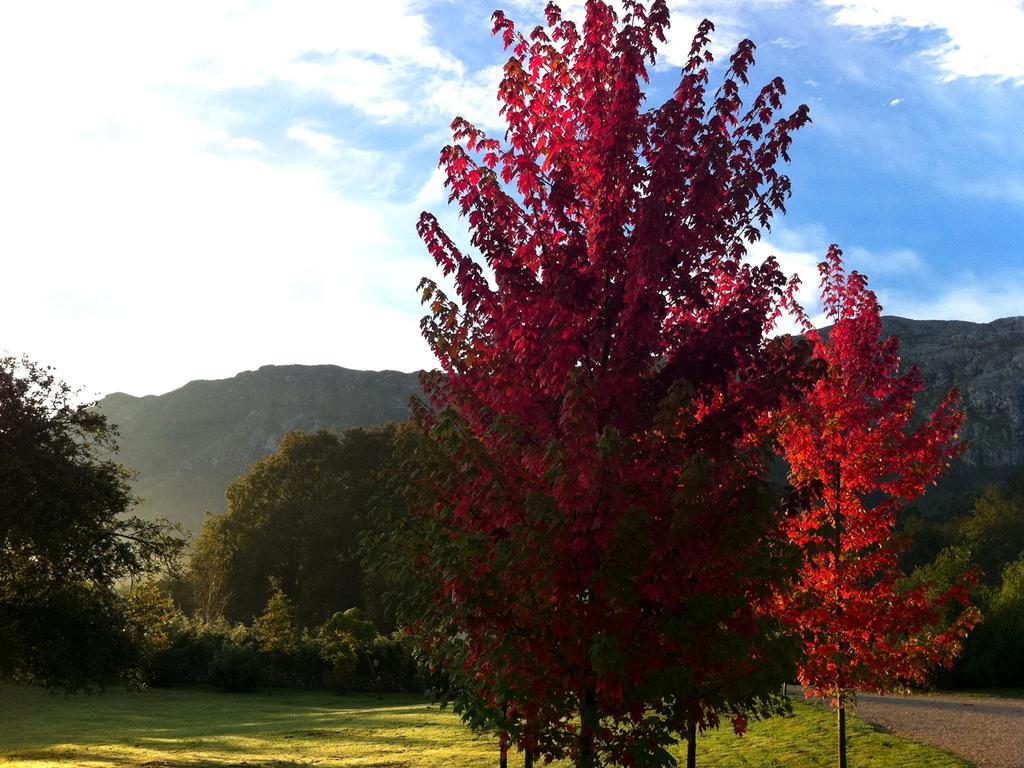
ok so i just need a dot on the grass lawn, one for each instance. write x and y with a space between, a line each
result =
195 728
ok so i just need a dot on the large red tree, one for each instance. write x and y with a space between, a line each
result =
596 533
856 449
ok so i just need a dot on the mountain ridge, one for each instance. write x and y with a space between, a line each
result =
118 394
189 443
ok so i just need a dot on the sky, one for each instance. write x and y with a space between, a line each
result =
193 189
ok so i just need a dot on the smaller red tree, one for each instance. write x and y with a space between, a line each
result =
855 450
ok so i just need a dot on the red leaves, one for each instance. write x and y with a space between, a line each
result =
855 459
596 446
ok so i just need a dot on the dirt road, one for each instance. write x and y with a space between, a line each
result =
986 730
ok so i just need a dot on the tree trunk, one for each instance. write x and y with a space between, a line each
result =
589 722
528 759
691 746
503 744
841 716
837 554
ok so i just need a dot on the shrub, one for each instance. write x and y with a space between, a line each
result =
236 668
234 658
389 662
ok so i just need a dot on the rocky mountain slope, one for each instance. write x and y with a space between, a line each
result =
187 445
986 361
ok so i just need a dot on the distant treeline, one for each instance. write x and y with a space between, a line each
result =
983 533
309 519
292 584
295 519
344 653
274 592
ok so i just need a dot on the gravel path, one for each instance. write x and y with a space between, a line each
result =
987 731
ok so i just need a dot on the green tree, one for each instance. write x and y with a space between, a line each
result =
989 540
205 590
66 536
994 531
344 637
152 614
275 627
994 654
1006 621
950 568
295 517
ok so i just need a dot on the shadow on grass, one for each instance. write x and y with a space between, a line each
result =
106 760
210 725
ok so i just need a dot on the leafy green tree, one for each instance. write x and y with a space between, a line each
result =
202 590
922 537
989 540
1006 621
275 627
152 615
345 636
353 624
390 546
66 536
237 665
950 568
295 517
994 654
994 531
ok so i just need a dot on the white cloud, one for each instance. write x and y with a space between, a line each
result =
799 251
472 97
244 144
320 142
379 58
195 265
895 102
794 259
433 192
178 202
894 262
981 38
361 173
900 277
1003 188
798 254
969 299
155 232
785 42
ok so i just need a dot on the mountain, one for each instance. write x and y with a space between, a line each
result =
189 444
986 361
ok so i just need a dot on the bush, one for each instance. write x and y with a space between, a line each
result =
302 666
188 653
396 669
993 653
232 657
236 668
